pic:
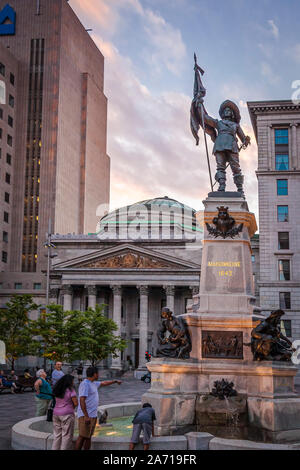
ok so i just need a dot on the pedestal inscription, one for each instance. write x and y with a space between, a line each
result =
223 344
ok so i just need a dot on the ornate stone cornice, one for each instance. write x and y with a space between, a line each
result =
195 290
53 292
117 290
170 290
67 290
91 290
143 290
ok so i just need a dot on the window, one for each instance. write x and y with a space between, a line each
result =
6 217
5 237
18 285
282 213
37 285
253 258
283 241
0 133
2 69
282 187
281 136
284 269
9 140
286 328
4 256
285 300
6 197
2 92
1 113
10 121
8 158
282 162
11 101
12 79
7 178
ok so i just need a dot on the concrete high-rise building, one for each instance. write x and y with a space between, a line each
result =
53 121
277 131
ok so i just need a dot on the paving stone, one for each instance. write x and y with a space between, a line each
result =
17 407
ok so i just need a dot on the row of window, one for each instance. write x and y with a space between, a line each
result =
18 285
8 157
9 138
10 120
11 75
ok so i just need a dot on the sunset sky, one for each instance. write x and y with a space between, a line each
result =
250 50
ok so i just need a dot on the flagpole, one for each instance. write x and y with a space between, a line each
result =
208 164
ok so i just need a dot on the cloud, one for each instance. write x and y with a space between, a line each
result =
164 46
169 48
267 72
152 150
294 53
273 29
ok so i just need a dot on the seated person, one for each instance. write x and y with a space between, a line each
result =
7 383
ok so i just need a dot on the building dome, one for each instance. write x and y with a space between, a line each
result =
148 218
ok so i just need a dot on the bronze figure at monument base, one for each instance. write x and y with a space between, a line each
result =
173 336
267 341
223 344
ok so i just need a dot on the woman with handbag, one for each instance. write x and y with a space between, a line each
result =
63 413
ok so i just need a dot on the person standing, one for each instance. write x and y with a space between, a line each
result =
88 406
63 413
143 420
43 393
57 373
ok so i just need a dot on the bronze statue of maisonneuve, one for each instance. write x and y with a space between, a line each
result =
267 341
223 132
178 343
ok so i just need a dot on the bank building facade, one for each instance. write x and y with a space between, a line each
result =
143 257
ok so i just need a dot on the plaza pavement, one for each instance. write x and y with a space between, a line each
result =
16 407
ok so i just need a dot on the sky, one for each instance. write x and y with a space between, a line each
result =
250 51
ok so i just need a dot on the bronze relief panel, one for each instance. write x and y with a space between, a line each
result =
223 344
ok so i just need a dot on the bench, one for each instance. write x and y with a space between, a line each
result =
22 382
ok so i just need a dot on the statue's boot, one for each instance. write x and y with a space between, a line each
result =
220 177
239 181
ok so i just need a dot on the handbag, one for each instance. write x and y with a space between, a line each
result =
50 410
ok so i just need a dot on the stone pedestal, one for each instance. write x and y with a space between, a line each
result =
220 322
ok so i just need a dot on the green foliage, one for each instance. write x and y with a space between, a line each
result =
74 335
99 340
15 327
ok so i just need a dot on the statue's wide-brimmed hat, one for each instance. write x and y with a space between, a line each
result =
276 314
233 107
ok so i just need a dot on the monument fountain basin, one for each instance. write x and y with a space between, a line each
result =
36 434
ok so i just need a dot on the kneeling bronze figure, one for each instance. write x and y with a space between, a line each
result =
178 343
267 341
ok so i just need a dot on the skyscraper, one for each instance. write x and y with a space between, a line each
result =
53 146
276 127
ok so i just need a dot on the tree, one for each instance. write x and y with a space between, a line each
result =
60 333
99 341
73 335
15 327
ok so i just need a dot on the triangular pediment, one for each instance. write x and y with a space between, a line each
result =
126 257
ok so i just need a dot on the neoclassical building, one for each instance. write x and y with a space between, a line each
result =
143 257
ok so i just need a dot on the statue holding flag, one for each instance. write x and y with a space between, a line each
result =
223 133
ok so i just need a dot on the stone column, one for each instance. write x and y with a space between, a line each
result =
117 305
67 293
170 293
92 294
53 295
294 148
143 347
